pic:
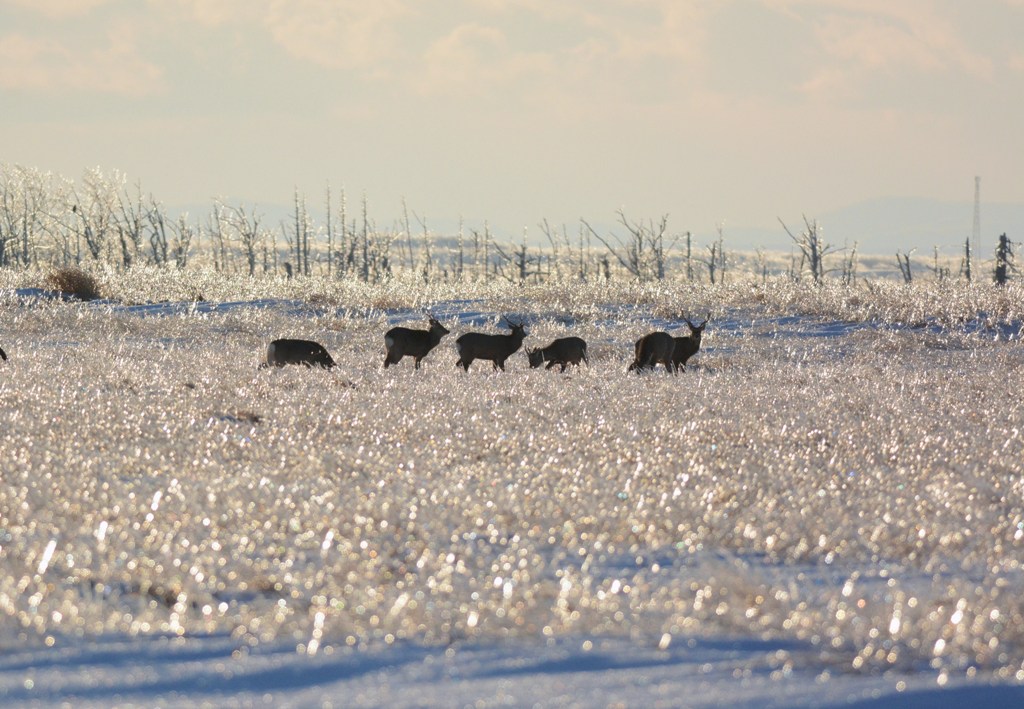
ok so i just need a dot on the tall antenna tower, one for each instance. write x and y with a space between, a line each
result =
976 234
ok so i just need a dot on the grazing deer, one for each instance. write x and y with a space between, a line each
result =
651 349
310 354
497 348
688 345
564 351
403 342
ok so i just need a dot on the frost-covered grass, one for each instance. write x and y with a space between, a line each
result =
949 303
826 472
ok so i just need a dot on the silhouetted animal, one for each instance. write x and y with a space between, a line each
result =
652 349
496 348
563 351
689 345
310 354
403 342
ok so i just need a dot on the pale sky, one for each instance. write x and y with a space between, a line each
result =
731 112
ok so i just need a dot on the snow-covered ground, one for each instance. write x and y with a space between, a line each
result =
820 512
711 671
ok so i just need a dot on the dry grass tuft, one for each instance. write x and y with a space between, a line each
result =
71 280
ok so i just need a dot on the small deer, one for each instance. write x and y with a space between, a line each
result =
403 342
689 345
497 348
305 352
564 351
652 349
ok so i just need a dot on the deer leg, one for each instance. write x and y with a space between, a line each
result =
552 363
564 365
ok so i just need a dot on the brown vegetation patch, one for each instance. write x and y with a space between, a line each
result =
73 281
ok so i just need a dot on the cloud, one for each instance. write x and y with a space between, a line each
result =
34 64
213 13
60 9
477 59
876 35
573 55
926 44
341 34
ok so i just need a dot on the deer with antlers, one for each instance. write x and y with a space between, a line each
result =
405 342
496 348
688 345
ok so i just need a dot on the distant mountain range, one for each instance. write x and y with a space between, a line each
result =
882 226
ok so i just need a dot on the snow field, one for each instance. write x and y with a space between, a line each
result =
850 492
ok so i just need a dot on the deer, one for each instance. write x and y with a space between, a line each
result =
305 352
563 351
404 342
497 348
688 345
652 349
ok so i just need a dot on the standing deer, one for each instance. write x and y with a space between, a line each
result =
689 345
403 342
306 352
651 349
564 351
497 348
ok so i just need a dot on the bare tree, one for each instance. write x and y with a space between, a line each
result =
813 248
130 219
330 234
689 256
245 228
23 206
712 261
184 233
158 242
903 261
218 245
95 208
850 266
643 253
299 238
940 272
426 264
716 261
523 266
965 265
